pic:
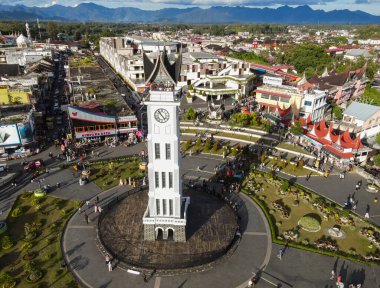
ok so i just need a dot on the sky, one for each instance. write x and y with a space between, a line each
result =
370 6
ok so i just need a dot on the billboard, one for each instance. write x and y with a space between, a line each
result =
9 135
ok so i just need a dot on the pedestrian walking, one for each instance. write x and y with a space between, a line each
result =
250 283
92 153
97 154
88 203
332 275
374 200
280 254
366 215
357 187
100 209
95 208
86 217
109 263
97 199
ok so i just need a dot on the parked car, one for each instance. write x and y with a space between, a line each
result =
33 165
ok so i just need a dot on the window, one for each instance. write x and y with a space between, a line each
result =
264 96
164 206
308 103
158 210
170 179
156 179
274 98
167 148
157 150
285 100
170 207
163 175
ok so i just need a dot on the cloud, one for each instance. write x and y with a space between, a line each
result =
366 1
176 2
240 2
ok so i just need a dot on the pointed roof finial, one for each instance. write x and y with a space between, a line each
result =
325 72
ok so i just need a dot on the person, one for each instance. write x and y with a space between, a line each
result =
374 200
100 209
280 254
97 154
332 275
366 215
86 217
109 263
250 283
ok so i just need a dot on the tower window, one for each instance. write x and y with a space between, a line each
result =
170 179
163 175
167 148
164 206
157 150
170 207
156 179
158 210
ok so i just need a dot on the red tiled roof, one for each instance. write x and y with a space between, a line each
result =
337 152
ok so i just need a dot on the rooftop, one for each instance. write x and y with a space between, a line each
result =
361 111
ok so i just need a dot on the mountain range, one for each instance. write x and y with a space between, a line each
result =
91 12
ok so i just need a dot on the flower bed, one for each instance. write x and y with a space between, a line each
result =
308 232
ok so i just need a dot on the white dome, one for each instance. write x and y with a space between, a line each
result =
21 39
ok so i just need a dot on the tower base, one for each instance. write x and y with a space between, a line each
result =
154 232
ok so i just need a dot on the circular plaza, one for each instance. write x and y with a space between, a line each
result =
212 225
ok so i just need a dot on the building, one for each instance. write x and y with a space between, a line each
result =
362 118
166 213
354 54
314 101
91 123
334 146
341 87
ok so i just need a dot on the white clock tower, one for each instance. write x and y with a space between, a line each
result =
165 216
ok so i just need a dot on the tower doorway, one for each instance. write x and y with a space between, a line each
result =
159 234
170 234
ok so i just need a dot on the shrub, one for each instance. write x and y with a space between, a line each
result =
310 223
6 242
17 212
305 242
36 200
187 145
285 185
6 281
198 143
39 193
234 151
215 147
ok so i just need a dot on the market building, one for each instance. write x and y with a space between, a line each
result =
92 124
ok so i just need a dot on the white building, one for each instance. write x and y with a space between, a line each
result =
24 57
313 104
166 213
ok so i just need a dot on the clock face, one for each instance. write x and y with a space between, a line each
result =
161 115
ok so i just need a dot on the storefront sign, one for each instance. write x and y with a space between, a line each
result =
94 134
274 81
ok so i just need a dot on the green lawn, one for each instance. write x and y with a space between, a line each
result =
270 191
46 220
107 175
293 148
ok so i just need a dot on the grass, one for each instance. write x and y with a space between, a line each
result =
222 134
49 221
353 239
106 175
289 168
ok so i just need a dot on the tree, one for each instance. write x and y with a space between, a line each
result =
190 115
376 159
215 147
198 143
378 138
337 112
296 129
52 30
208 144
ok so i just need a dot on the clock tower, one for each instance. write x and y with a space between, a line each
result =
165 215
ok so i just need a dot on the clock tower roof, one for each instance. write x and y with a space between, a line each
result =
162 70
